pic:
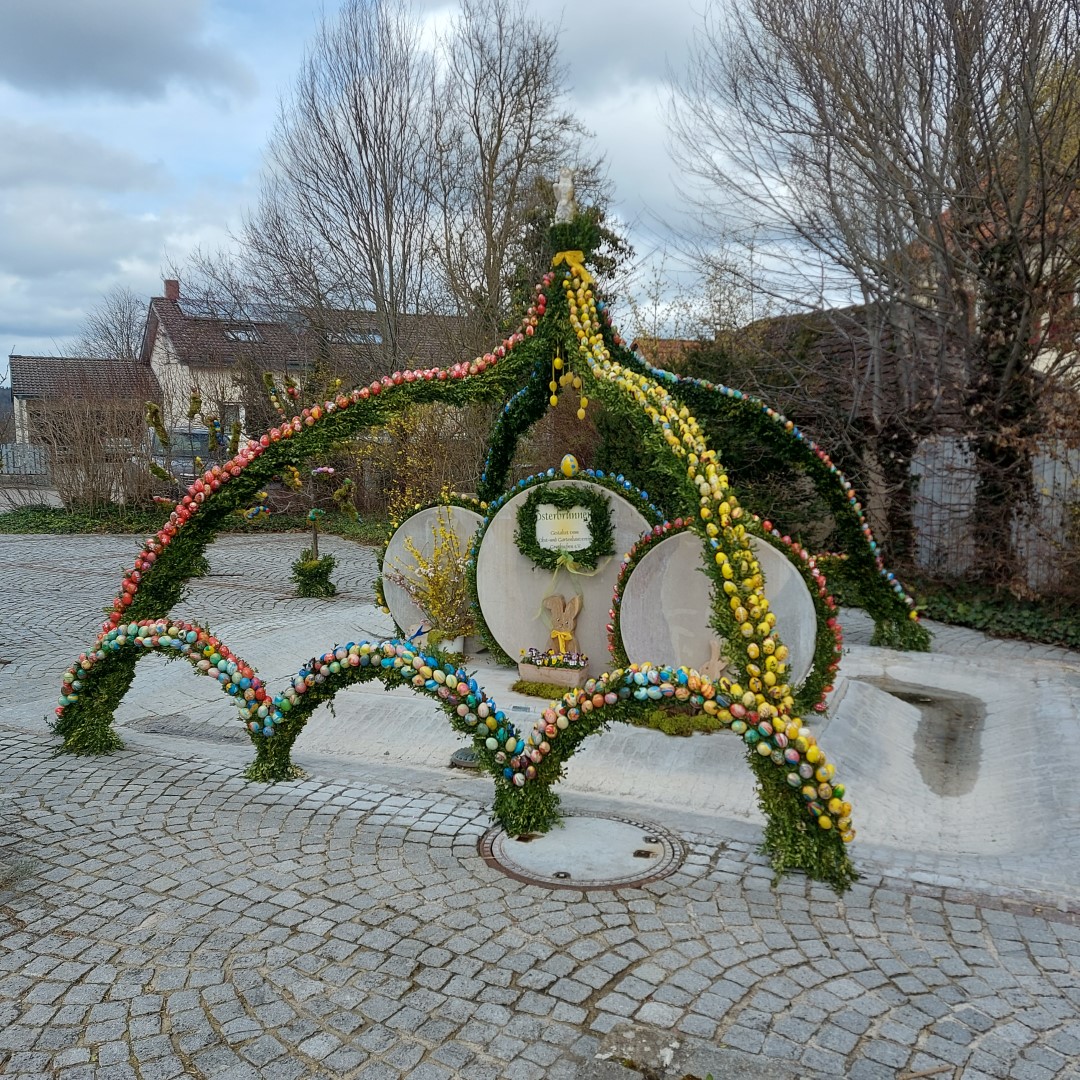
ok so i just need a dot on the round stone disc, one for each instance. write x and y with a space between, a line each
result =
510 588
589 851
418 528
665 610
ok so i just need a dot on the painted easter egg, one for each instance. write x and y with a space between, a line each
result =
569 465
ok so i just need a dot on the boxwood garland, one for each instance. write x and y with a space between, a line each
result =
785 764
653 468
273 721
829 641
746 624
598 506
155 584
518 415
617 484
721 408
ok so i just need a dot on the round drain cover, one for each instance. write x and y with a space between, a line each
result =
589 851
465 758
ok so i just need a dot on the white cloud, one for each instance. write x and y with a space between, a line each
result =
35 154
133 49
116 159
47 229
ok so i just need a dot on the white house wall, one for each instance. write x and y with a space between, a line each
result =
177 378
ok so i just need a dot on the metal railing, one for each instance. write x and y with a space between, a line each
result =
23 459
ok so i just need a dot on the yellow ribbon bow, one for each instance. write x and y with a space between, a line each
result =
562 638
565 561
575 260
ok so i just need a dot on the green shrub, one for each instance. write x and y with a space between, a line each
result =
122 520
312 576
104 518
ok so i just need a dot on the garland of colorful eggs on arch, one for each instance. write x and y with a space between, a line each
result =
804 448
719 516
513 759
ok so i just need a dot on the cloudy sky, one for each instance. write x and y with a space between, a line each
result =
132 131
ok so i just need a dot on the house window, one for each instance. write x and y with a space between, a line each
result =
241 333
355 337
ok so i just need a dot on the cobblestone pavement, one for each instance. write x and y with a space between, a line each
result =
160 918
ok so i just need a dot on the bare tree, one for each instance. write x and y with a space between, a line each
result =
921 155
94 439
345 210
403 179
502 135
113 329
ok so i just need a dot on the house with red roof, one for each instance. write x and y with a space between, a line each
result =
222 356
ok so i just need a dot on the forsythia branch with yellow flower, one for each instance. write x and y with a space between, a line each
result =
436 583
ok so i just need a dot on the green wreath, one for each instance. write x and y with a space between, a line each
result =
565 498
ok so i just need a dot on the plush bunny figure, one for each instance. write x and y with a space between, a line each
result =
563 617
716 665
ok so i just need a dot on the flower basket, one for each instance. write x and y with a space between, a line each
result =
553 668
568 677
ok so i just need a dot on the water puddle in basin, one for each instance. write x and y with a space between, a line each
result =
948 740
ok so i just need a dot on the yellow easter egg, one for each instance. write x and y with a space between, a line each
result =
569 465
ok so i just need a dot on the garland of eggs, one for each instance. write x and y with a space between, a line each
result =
85 720
282 716
746 621
802 445
789 746
505 751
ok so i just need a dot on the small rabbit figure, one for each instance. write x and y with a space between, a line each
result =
564 192
563 617
716 665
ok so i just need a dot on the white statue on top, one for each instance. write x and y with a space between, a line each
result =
564 192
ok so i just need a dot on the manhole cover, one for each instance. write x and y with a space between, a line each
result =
589 851
465 758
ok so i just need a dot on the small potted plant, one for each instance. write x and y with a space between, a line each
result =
311 573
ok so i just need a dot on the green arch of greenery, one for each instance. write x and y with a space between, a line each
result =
666 486
733 421
524 777
156 582
154 585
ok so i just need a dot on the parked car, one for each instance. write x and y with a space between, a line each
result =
185 445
